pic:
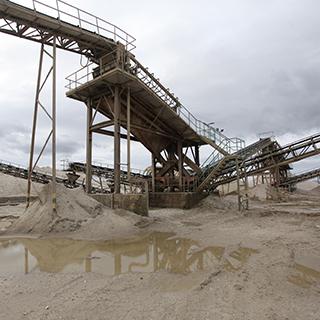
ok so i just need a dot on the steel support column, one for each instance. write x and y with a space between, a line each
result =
238 185
89 148
52 134
117 150
153 172
128 135
54 123
180 165
197 155
34 126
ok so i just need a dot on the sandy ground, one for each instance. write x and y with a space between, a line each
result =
279 280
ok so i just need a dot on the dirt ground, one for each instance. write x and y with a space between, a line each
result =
276 277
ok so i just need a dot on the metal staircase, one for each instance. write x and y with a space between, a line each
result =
218 159
207 179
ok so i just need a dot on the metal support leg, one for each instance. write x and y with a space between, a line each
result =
128 135
180 165
246 185
197 155
52 117
26 261
34 126
54 107
117 155
238 184
153 172
89 148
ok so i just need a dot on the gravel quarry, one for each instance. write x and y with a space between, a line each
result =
209 262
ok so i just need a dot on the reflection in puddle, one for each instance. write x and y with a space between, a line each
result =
149 253
306 273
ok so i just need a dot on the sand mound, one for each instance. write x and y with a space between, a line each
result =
259 192
12 186
316 190
76 213
307 185
216 202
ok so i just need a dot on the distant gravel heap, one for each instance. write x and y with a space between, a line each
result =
11 186
76 213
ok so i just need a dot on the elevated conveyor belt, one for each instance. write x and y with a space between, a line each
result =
106 172
283 156
304 176
153 105
21 172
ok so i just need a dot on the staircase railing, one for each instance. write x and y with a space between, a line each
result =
243 152
84 20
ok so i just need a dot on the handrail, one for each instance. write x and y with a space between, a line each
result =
66 12
135 68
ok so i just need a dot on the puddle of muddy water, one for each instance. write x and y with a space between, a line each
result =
148 253
306 272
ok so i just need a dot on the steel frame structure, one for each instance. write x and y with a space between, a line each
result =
123 78
93 107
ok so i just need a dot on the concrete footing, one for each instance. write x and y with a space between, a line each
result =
181 200
137 203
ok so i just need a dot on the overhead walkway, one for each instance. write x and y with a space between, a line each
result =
77 30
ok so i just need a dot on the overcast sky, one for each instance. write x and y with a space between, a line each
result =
250 66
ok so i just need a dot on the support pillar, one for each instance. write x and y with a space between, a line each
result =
34 126
180 165
89 148
88 264
128 135
54 124
117 154
26 261
197 155
153 172
52 116
238 184
246 185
